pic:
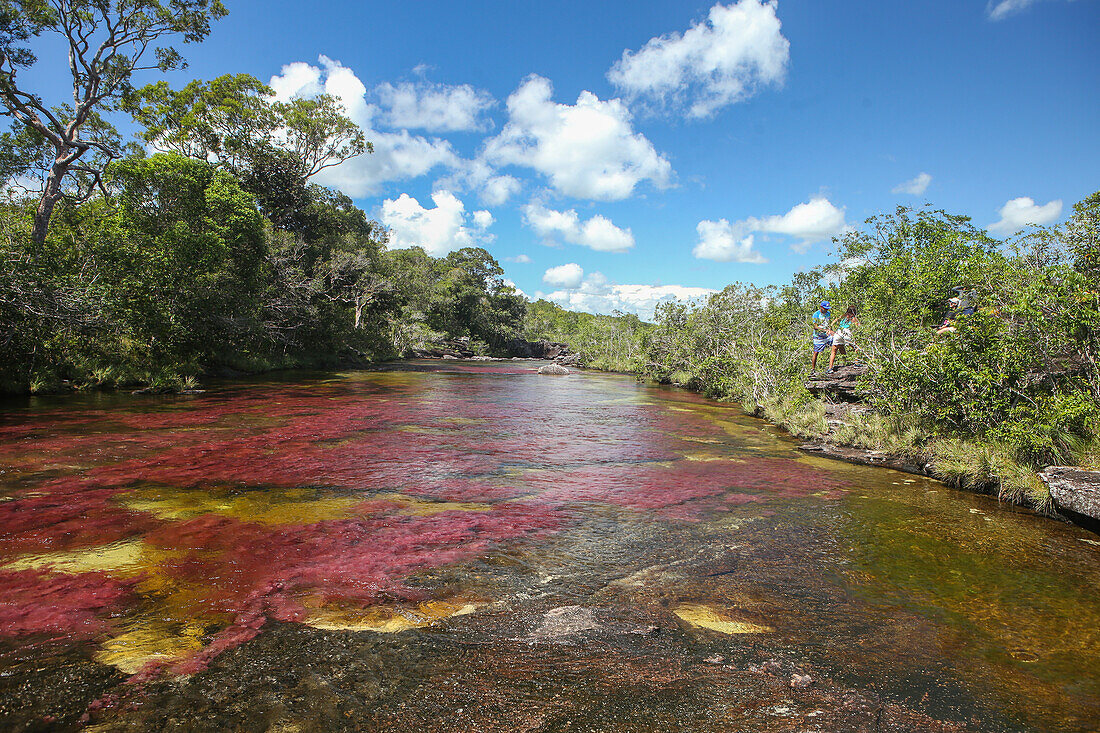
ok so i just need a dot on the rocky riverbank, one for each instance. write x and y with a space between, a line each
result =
1074 491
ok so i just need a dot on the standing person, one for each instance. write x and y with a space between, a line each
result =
823 335
842 339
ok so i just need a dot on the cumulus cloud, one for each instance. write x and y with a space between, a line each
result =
717 62
492 188
435 107
1001 9
1021 212
564 276
593 293
809 222
588 150
440 230
597 232
915 186
725 242
397 155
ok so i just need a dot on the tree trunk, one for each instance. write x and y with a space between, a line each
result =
50 196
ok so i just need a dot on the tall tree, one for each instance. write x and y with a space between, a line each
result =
107 40
235 121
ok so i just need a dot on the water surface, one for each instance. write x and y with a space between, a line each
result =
445 546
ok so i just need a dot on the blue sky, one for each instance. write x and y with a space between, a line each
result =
614 153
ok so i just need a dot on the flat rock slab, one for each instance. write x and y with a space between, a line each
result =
863 457
1074 489
843 382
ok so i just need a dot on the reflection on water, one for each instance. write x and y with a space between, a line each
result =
475 547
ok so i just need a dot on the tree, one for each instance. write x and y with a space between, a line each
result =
108 41
234 120
1083 237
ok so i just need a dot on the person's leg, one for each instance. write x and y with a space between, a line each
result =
813 363
832 357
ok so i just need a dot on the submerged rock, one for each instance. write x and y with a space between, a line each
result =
708 617
553 369
801 680
1074 489
561 623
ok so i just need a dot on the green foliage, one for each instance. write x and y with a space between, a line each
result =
274 147
745 344
612 343
106 42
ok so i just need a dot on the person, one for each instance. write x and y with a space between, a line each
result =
948 326
823 335
842 337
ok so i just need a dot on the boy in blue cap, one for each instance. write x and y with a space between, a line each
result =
823 335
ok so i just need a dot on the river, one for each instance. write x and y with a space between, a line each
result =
452 546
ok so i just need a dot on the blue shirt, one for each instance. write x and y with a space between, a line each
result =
820 322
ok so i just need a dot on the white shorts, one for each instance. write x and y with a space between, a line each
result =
843 337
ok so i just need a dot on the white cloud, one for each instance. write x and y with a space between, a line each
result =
440 230
809 222
1001 9
588 150
915 186
520 259
812 221
1021 212
720 61
597 232
725 242
477 175
397 155
435 107
483 219
595 294
565 276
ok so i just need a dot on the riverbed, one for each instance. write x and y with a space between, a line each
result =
456 546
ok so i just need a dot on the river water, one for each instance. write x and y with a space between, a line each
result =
474 547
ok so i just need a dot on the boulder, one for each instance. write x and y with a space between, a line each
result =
570 360
541 349
553 369
1074 489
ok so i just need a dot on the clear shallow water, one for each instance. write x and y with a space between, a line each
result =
476 547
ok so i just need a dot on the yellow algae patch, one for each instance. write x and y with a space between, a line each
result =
388 620
266 507
463 420
708 617
709 457
828 464
417 507
125 556
156 642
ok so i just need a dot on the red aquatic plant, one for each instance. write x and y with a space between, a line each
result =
67 517
75 606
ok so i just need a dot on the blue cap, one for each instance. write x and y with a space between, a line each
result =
825 304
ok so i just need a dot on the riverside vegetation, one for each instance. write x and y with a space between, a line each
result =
1014 389
203 247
